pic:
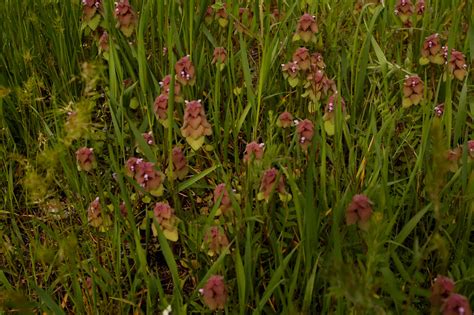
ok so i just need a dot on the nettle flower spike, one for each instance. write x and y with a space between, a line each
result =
165 86
185 72
440 290
90 12
302 57
359 211
290 72
195 126
456 304
180 164
412 91
150 179
167 221
126 17
219 57
253 152
221 15
214 293
404 9
215 241
420 7
317 61
306 28
318 85
269 183
209 15
285 120
85 159
160 108
431 51
94 213
330 112
305 131
104 42
225 205
457 65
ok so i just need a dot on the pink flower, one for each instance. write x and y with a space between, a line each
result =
148 137
104 41
165 85
166 219
440 290
456 304
404 9
305 130
306 28
215 241
214 293
90 8
161 107
185 71
457 65
180 165
302 58
412 91
219 55
195 126
94 213
226 203
420 7
290 69
333 101
85 159
285 120
146 175
432 50
126 17
269 183
253 152
359 211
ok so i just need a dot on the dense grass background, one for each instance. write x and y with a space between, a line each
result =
284 257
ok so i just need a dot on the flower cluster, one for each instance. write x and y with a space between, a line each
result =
285 120
94 213
195 126
180 165
167 221
272 180
444 299
226 204
85 159
185 72
405 9
305 131
412 91
215 241
150 179
214 293
161 109
219 57
165 86
359 211
90 8
432 51
126 17
306 29
253 152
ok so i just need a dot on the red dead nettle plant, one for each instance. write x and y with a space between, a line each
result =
126 17
145 174
195 126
